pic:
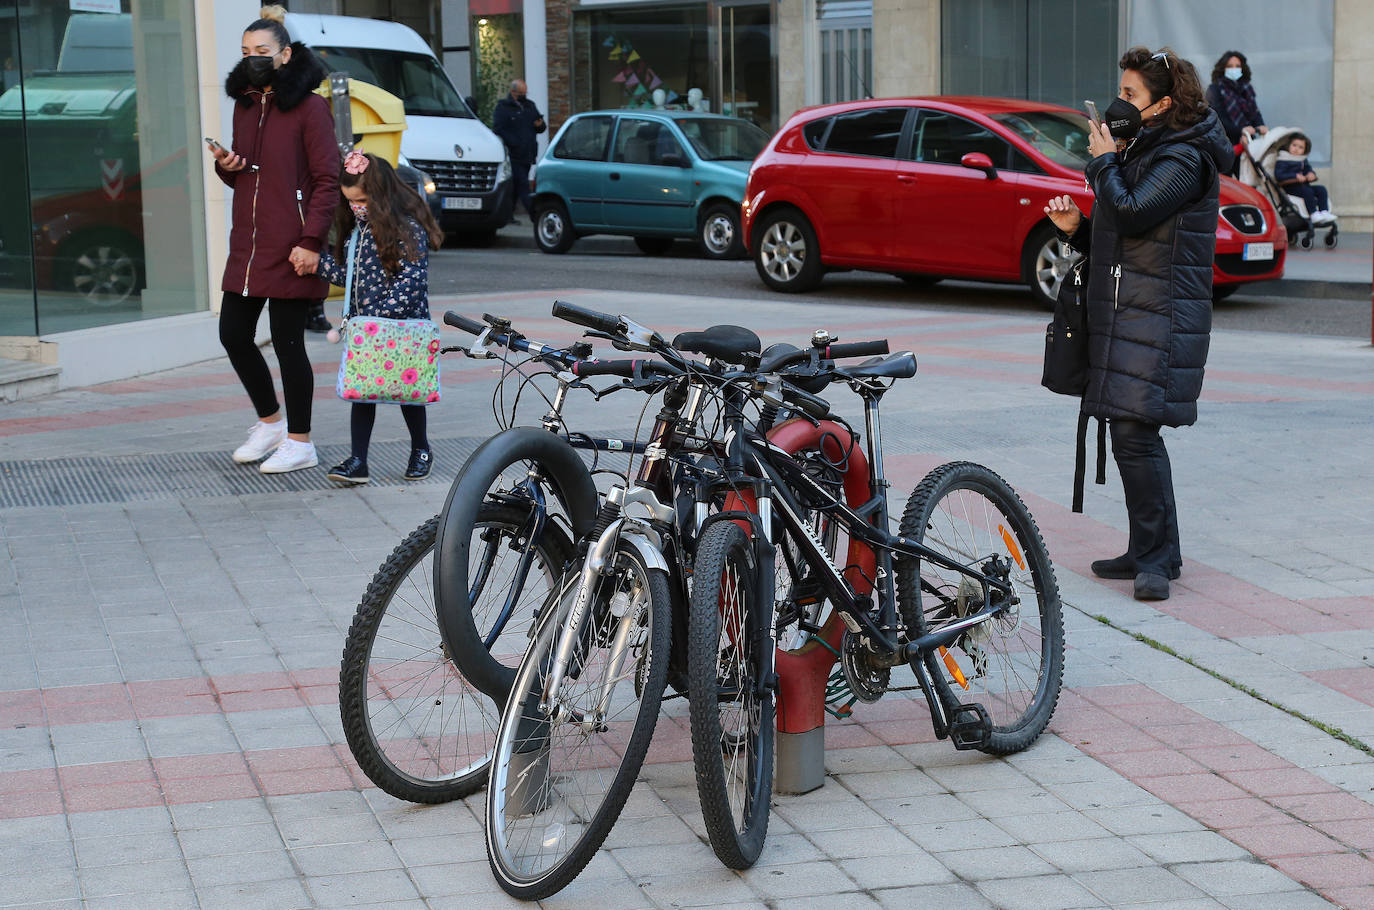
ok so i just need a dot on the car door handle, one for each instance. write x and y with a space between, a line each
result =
615 175
905 178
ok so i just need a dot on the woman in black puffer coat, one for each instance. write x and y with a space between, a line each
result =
1150 241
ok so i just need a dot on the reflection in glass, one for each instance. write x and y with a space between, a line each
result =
621 57
17 316
747 83
417 79
724 140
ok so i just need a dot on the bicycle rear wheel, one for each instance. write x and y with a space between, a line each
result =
1012 664
417 728
560 779
731 705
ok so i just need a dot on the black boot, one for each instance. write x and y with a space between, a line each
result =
316 320
421 460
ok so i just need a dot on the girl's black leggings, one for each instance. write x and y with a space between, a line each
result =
365 414
238 320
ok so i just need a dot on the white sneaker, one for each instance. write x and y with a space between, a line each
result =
262 439
1322 217
291 455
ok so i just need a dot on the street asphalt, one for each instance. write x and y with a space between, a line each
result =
169 730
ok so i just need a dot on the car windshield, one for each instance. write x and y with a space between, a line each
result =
723 139
417 79
1061 136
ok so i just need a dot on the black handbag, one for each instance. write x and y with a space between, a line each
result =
1066 337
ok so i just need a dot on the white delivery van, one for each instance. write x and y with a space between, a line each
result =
467 162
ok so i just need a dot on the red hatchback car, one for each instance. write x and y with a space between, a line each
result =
949 187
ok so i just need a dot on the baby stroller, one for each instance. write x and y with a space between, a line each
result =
1258 156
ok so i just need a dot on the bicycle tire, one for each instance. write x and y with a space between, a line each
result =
729 736
508 455
567 813
424 734
969 513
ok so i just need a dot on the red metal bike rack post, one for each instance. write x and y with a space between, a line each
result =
805 672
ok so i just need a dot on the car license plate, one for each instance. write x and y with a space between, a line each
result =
467 202
1254 251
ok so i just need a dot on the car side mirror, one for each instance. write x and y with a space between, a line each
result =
979 162
674 160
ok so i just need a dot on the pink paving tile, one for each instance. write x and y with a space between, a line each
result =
1084 718
90 713
318 676
270 761
1353 898
1238 757
1219 619
1300 619
1185 789
1107 742
1357 834
106 773
315 780
1326 807
897 733
265 700
320 695
252 682
102 693
853 736
1134 694
1279 782
209 789
12 782
115 796
1153 763
1245 812
28 805
1293 839
1340 870
1155 714
21 709
173 698
892 709
186 767
1198 735
1356 682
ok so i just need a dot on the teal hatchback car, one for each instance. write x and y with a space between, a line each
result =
653 175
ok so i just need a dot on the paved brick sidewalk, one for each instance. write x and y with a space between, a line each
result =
169 733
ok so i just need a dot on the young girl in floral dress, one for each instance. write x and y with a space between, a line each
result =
390 280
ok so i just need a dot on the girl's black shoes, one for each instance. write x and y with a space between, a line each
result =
351 470
421 460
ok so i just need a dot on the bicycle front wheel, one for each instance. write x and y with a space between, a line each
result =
417 728
731 705
565 762
1012 664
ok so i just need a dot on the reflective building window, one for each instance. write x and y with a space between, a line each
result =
99 116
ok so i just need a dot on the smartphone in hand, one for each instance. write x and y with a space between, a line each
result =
214 145
1091 108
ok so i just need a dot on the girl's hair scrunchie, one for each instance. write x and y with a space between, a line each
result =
355 162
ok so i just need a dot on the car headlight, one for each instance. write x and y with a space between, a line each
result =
505 172
430 187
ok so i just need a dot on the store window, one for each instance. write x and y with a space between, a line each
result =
99 117
846 38
623 58
498 51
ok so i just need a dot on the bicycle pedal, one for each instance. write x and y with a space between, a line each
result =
970 726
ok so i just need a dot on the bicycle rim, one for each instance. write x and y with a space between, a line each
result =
1012 664
559 781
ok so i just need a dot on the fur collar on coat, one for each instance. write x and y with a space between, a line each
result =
292 84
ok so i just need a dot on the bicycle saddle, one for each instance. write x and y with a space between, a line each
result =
721 342
901 365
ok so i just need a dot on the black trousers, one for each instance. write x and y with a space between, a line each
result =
238 320
520 182
1148 484
364 415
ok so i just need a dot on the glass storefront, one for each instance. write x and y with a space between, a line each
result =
717 57
98 136
498 51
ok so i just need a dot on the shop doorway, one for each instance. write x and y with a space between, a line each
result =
747 73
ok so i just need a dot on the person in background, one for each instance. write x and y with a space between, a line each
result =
1233 97
283 166
390 280
1150 244
517 121
1296 176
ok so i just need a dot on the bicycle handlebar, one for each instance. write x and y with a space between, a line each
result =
625 368
459 321
877 347
602 322
813 405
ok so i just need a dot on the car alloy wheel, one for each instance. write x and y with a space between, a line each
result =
783 251
551 227
718 233
1052 263
104 274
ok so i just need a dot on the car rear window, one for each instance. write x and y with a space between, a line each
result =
814 132
584 139
875 133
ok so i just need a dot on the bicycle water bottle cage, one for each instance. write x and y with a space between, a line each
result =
970 727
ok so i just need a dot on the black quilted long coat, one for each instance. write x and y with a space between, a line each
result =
1150 240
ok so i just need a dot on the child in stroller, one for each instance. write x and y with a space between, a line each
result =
1268 163
1296 176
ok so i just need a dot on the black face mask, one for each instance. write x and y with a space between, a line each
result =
1122 119
257 70
518 98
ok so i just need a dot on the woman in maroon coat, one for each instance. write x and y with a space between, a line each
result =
283 167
